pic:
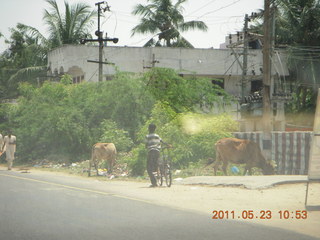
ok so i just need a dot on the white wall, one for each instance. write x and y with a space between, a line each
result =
219 63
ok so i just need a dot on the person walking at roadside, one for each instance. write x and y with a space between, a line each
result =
9 147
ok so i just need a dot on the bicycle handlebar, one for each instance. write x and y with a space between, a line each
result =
167 146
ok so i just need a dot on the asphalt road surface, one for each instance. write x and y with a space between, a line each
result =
40 208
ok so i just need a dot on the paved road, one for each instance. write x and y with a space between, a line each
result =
33 207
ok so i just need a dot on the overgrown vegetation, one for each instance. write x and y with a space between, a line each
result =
65 120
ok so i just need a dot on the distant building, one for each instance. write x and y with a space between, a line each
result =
223 64
236 40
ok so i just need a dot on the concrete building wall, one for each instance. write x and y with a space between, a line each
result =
212 63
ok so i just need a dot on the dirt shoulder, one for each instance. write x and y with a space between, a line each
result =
236 200
206 199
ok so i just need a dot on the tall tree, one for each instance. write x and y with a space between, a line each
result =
70 27
24 60
297 26
165 19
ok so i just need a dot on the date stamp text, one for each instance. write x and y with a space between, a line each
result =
262 214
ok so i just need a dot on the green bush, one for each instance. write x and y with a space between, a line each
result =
138 162
192 135
120 137
63 119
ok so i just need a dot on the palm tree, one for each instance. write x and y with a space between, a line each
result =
165 19
76 23
301 21
298 28
67 28
25 59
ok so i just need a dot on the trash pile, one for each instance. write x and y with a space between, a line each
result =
119 170
48 164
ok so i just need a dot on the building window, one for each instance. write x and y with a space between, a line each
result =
78 79
109 77
219 82
256 85
61 71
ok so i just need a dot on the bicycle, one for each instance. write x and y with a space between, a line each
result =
164 169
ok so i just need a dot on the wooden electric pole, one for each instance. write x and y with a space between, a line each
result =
245 56
267 116
100 39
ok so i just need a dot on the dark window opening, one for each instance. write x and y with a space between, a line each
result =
219 82
256 86
109 77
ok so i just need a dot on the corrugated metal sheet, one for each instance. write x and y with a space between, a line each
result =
290 150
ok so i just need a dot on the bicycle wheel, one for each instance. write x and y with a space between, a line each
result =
160 176
168 176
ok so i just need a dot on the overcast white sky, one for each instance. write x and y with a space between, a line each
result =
221 16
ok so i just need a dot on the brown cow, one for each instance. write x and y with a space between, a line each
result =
103 152
241 151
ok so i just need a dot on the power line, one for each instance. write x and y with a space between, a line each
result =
201 7
219 9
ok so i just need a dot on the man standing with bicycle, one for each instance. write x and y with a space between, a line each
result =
153 144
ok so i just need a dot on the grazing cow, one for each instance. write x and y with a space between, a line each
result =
240 151
103 152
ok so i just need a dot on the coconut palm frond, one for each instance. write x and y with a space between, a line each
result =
182 42
150 43
25 72
32 33
68 28
144 11
166 17
146 26
193 25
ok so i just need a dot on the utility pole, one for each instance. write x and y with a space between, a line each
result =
245 41
266 100
267 126
245 56
100 39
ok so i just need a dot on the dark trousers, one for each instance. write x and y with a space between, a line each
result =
152 165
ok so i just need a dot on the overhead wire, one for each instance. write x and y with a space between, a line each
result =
205 15
201 7
210 12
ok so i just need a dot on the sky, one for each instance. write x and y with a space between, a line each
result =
221 16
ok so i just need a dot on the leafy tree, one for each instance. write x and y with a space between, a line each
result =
63 119
165 19
24 60
66 119
111 133
183 94
297 26
303 35
64 28
70 27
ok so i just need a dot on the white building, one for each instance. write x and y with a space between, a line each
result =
224 64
